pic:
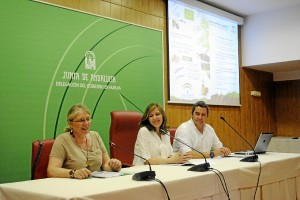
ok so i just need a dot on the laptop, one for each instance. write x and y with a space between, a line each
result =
260 147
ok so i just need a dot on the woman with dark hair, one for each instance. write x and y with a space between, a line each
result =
151 143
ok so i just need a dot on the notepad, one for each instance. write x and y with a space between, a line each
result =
106 174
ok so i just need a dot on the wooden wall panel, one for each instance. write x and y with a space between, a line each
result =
287 107
255 115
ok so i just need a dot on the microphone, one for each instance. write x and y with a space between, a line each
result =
199 168
141 176
252 158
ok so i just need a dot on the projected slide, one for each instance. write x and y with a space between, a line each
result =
203 56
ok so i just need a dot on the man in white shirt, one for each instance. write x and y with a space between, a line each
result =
199 135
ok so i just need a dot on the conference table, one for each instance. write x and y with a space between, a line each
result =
279 180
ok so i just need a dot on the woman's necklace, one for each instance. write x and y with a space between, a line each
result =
88 162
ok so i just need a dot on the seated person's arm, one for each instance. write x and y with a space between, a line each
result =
197 155
55 170
174 159
111 164
224 151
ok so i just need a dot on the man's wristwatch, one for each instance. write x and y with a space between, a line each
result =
72 173
212 154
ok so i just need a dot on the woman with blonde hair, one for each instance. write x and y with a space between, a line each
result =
78 151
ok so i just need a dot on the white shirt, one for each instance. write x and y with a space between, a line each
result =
188 133
149 145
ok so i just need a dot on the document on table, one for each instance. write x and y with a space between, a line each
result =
106 174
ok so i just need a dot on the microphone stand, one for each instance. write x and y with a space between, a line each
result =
252 158
141 176
198 168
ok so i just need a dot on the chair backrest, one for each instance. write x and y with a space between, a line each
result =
172 133
39 158
124 128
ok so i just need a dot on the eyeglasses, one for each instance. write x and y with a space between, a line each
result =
82 121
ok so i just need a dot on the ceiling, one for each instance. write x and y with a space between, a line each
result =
245 8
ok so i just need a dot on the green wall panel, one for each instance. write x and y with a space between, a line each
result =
40 44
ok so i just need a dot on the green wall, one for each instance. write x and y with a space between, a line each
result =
40 44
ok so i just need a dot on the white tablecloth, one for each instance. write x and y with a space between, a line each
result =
279 180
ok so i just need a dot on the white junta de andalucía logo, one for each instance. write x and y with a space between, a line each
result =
90 60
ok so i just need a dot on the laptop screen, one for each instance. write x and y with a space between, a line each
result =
263 142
